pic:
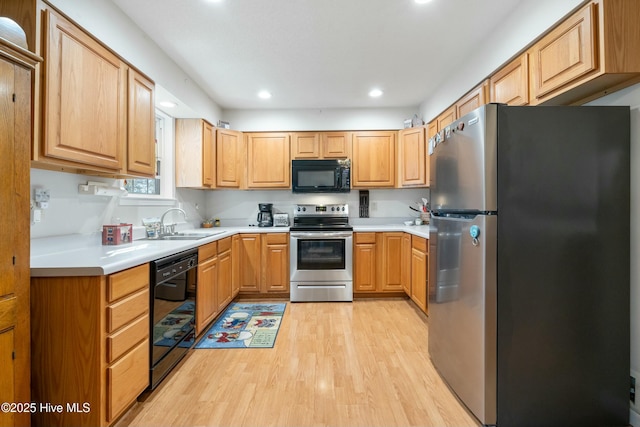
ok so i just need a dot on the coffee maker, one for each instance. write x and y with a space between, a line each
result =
265 216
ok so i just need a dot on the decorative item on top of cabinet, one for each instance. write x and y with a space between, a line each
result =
589 53
374 159
476 97
510 84
268 160
195 153
16 67
413 164
231 159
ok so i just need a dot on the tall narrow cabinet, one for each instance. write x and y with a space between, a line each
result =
16 66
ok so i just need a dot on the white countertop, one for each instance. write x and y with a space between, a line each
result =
84 254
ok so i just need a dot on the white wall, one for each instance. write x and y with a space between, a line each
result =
528 22
319 119
631 97
241 207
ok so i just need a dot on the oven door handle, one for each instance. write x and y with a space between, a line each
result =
322 235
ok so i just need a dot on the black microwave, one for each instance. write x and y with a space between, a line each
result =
321 176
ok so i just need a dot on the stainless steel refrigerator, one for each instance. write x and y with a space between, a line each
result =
529 264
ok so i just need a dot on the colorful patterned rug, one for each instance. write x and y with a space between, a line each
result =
245 325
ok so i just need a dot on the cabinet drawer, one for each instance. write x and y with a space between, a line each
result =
127 282
276 238
122 341
364 237
224 244
419 243
207 251
125 311
126 379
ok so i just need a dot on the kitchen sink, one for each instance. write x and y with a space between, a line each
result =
185 236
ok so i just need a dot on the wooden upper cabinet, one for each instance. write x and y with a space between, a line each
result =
566 53
475 98
412 155
432 129
195 153
268 160
85 101
336 145
320 145
510 85
305 145
374 159
141 124
230 159
446 118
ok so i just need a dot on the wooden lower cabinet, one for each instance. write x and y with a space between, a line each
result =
262 265
378 260
90 345
390 262
235 266
364 262
405 269
206 298
419 272
224 293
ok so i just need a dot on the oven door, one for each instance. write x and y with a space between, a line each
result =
321 256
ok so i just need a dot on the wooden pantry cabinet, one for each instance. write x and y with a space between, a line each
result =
195 153
374 159
320 145
90 344
16 67
97 112
268 160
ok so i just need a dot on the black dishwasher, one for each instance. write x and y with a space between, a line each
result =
173 308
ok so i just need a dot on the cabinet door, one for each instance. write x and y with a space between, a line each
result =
275 262
565 54
412 153
305 145
7 379
249 260
206 302
336 145
374 159
364 262
230 158
85 100
432 129
475 98
405 269
391 262
510 85
235 265
419 265
208 155
446 118
224 289
141 126
195 153
268 164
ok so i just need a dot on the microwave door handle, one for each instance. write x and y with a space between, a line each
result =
339 173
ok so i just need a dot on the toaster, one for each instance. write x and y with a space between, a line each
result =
281 219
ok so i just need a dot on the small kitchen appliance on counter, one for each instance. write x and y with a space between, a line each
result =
265 215
321 252
281 219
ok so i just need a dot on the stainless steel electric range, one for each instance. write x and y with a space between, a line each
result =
321 253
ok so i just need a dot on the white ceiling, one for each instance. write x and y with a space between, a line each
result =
318 53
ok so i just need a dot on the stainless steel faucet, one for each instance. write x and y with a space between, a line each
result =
170 229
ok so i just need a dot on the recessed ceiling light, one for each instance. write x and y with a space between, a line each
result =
374 93
264 94
168 104
422 1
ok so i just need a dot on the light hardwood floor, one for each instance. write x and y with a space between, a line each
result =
333 364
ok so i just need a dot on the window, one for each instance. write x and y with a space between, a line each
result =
161 187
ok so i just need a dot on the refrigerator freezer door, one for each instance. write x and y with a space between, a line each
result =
463 164
462 308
